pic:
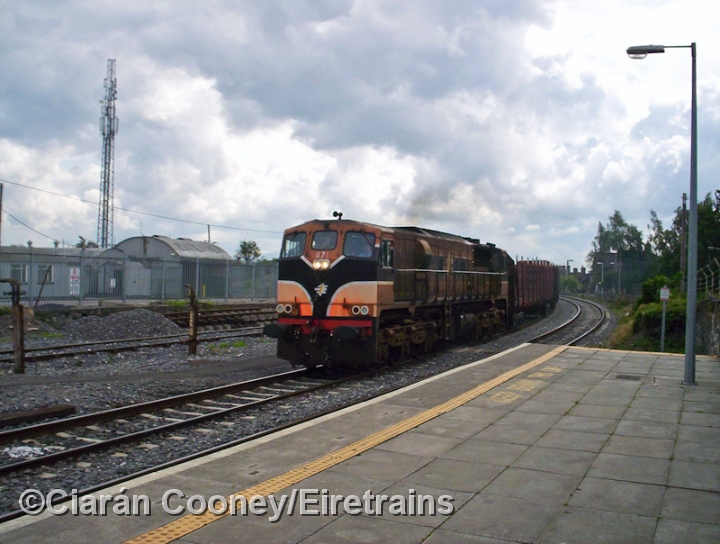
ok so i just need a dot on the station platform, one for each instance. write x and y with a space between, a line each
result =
536 444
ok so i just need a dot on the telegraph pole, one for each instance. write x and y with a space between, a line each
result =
108 129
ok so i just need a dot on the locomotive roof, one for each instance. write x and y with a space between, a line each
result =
419 230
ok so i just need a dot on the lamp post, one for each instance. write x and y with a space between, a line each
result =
640 52
567 274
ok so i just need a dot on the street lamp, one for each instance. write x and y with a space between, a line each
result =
640 52
567 274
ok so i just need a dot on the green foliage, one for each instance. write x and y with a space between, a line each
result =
648 322
571 284
248 251
619 257
48 335
5 310
651 290
666 243
224 347
177 305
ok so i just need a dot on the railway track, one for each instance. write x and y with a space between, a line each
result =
133 426
58 351
216 319
587 319
213 325
68 438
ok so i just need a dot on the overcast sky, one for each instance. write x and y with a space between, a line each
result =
518 122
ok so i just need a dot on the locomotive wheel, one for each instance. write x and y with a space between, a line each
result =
383 354
407 348
429 341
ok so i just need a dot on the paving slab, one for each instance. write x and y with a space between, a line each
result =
670 531
588 526
704 476
502 518
454 475
691 505
629 468
639 446
573 440
595 410
555 460
619 496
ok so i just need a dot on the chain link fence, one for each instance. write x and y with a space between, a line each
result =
73 277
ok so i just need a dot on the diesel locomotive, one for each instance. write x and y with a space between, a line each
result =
354 294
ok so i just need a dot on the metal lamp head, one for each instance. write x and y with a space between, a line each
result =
641 51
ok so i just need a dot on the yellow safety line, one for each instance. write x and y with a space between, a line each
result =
189 523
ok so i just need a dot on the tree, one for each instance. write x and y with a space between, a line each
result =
626 259
666 243
248 251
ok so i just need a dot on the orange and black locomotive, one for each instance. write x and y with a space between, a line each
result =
353 294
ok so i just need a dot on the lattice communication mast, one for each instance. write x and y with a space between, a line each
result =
108 129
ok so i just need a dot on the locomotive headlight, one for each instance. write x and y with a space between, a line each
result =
288 309
364 310
280 308
355 310
321 264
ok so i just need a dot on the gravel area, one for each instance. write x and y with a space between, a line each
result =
92 470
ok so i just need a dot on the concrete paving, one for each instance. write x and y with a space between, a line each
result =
588 446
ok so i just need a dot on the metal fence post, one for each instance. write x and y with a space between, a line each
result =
227 280
80 278
124 276
252 296
197 276
31 276
192 325
18 327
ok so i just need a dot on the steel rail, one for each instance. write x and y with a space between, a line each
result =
138 435
557 329
93 418
574 318
93 489
603 316
136 343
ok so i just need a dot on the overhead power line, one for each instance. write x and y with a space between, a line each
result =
139 212
28 226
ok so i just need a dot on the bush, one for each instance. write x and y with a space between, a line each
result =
648 320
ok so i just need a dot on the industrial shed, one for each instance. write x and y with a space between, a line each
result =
142 267
173 263
163 246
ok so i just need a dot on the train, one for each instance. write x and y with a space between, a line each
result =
353 294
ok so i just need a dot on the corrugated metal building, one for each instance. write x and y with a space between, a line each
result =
142 267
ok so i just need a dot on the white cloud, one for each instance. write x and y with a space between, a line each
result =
522 124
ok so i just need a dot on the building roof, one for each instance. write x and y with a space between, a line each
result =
181 247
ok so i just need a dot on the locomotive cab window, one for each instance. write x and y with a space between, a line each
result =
387 253
359 244
293 245
324 239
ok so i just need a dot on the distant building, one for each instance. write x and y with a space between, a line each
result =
163 246
140 267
